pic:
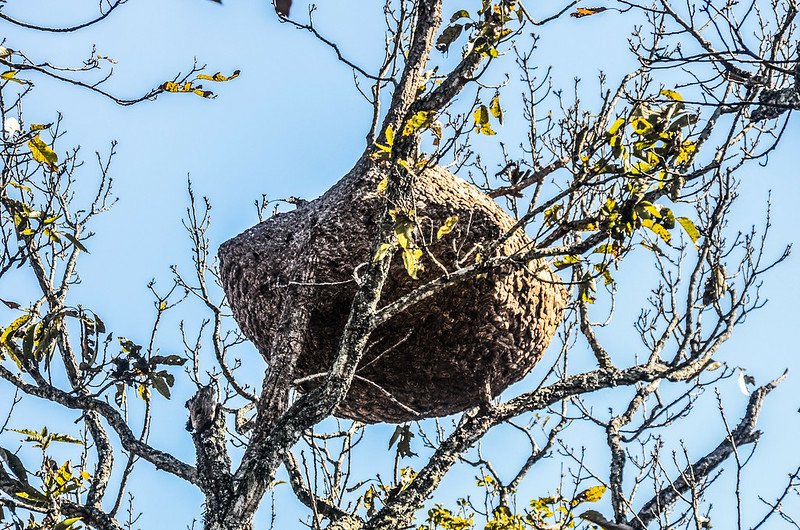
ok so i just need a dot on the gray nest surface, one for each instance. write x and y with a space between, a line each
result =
445 354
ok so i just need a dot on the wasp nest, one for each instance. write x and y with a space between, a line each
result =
445 354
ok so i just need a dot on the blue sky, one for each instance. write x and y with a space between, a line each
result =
292 124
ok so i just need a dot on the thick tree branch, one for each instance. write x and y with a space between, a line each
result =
129 440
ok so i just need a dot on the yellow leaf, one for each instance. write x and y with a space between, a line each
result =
383 184
187 87
615 127
42 153
481 116
641 126
671 94
171 86
486 129
690 229
567 261
383 250
11 75
405 165
496 109
657 229
592 494
219 77
447 227
411 261
714 365
420 120
14 327
685 152
389 136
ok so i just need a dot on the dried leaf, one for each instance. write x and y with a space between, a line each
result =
218 77
587 11
42 153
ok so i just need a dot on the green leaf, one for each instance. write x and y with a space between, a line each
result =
448 36
641 126
486 129
587 288
403 163
713 366
160 384
28 342
566 261
65 438
74 240
169 360
66 524
42 153
462 13
14 464
602 269
652 209
609 250
690 229
481 116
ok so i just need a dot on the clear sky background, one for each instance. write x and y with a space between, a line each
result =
293 124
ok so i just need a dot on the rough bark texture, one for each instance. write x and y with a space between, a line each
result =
441 356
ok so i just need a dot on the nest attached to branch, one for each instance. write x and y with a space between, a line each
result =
449 352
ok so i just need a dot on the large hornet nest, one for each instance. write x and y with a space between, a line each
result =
449 352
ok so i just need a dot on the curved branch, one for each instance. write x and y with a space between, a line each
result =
129 440
68 29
